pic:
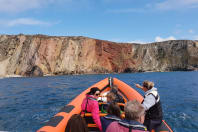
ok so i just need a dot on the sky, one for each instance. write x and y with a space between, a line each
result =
135 21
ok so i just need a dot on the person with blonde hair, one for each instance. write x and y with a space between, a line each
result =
134 117
152 105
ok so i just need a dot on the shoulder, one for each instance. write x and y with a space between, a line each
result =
152 92
116 127
91 98
114 123
113 126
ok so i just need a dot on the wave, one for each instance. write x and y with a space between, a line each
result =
9 76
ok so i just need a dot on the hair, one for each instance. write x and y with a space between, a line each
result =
114 89
113 109
76 124
93 90
148 84
133 110
111 96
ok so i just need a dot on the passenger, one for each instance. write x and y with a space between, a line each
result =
119 98
134 118
90 104
152 105
76 124
113 111
107 97
110 99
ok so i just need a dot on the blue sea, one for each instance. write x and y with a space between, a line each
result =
27 103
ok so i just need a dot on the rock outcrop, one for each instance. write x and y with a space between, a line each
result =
34 71
37 55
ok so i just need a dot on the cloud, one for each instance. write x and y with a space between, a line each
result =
23 21
177 31
157 39
22 5
166 5
124 41
160 39
177 4
129 10
138 42
191 31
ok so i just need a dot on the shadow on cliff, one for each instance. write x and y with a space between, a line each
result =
34 71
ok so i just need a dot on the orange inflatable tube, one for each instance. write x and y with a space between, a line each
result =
58 123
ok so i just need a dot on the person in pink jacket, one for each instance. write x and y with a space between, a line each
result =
90 104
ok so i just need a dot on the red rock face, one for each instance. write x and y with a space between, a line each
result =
79 55
113 56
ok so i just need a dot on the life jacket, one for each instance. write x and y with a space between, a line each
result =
91 98
155 112
90 105
132 125
111 117
107 120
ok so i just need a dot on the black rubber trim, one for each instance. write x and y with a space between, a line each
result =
54 121
67 108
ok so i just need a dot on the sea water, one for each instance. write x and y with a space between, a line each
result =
26 104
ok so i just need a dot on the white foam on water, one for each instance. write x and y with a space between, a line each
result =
184 116
9 76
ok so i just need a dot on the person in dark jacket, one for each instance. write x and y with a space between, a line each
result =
113 111
76 124
134 117
119 98
110 99
152 105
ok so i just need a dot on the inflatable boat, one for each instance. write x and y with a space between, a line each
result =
58 123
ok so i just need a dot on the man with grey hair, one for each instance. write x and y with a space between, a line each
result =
134 118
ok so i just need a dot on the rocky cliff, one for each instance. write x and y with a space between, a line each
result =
29 55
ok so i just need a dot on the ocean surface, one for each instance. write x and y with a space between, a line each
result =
27 103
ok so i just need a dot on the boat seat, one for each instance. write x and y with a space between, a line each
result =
88 117
102 104
89 120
